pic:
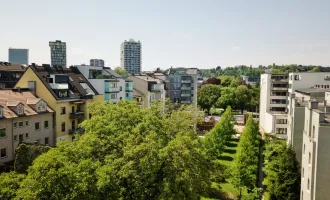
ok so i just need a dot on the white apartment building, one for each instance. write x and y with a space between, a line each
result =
130 56
107 82
149 88
276 91
315 170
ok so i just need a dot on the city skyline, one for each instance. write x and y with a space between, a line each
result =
199 34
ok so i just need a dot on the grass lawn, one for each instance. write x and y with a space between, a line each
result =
227 159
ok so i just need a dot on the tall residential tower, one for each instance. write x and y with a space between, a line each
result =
130 53
18 56
58 53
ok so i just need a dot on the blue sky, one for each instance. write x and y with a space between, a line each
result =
194 33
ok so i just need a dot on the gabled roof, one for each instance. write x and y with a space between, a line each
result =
13 97
32 101
6 66
77 83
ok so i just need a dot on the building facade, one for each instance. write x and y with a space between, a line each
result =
23 118
10 74
18 56
66 91
96 62
182 85
58 53
148 89
106 81
275 97
131 52
315 171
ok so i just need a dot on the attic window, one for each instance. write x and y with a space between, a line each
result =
20 109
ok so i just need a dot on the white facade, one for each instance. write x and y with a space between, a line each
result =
107 82
96 62
275 97
130 59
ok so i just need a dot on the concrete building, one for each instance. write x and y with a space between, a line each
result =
18 56
130 56
296 115
275 93
66 91
106 81
23 118
315 170
148 89
96 62
10 74
58 53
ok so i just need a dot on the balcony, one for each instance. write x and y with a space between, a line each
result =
77 115
185 95
185 88
280 88
129 88
185 81
186 102
280 80
112 89
76 130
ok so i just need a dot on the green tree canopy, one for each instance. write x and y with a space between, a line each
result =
121 71
9 184
208 95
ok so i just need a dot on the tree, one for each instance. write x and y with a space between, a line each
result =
225 80
214 81
220 135
283 172
121 71
126 153
245 165
9 184
227 98
316 69
207 96
243 97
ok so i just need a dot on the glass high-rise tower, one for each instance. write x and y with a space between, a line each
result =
58 53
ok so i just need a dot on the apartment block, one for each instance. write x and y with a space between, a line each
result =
106 81
23 118
276 91
96 62
130 52
66 91
18 56
10 74
58 53
296 115
148 88
315 170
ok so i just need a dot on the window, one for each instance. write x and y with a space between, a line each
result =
327 78
20 124
63 110
121 88
309 158
15 124
313 131
20 109
37 126
281 121
2 132
41 106
281 130
126 94
308 182
46 140
3 153
63 126
297 77
15 137
46 124
26 135
113 96
20 138
26 123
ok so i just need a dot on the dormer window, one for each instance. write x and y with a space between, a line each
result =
20 109
41 106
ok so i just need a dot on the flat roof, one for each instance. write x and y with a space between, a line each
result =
311 90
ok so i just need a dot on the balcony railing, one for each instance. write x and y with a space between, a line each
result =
185 81
280 80
76 130
112 89
186 102
128 88
280 88
185 88
185 95
77 115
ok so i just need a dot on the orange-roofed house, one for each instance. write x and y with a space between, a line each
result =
23 118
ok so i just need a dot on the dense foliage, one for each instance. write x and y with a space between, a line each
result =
207 96
9 183
283 172
245 167
220 135
126 153
121 71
